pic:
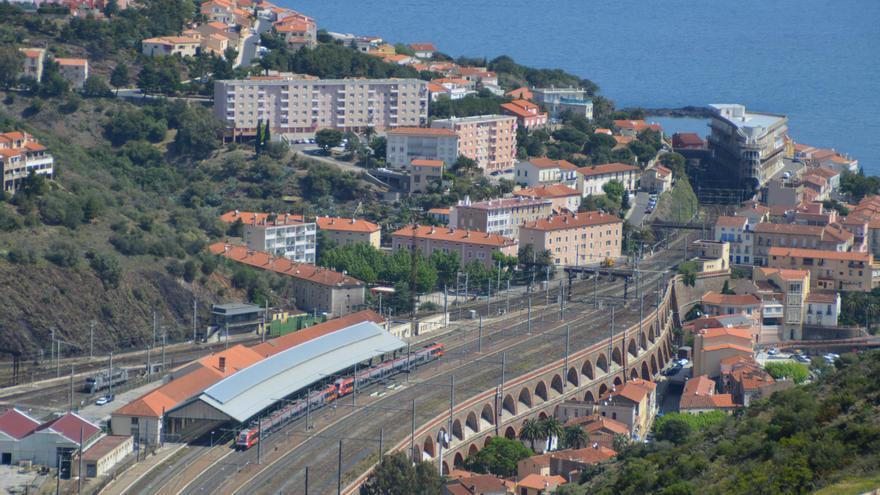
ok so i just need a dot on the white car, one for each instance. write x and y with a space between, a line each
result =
102 401
773 351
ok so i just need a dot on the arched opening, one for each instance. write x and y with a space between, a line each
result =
573 377
457 432
603 390
643 341
633 374
651 334
618 381
417 452
486 441
471 424
428 448
458 460
488 416
602 363
525 397
588 397
653 365
542 415
556 384
473 449
587 370
617 357
445 468
646 373
509 405
510 433
541 391
632 349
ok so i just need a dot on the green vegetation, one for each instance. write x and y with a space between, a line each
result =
396 475
328 60
688 271
799 440
677 427
857 186
468 106
861 309
788 370
498 457
679 204
328 138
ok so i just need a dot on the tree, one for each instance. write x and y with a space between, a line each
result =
614 190
258 137
575 437
11 65
726 288
688 271
551 427
796 372
119 77
675 430
498 457
106 267
328 138
159 75
531 432
198 132
95 87
395 475
63 254
675 162
379 146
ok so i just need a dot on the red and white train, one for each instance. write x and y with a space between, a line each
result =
249 436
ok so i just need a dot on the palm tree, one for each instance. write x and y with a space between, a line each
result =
551 427
531 431
575 437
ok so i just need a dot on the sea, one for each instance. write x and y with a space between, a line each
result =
816 61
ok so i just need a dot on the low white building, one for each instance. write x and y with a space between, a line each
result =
406 144
57 440
736 231
592 179
823 309
536 172
279 234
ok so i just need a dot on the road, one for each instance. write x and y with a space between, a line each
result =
248 53
637 213
289 451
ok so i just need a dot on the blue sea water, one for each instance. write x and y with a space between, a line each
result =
817 61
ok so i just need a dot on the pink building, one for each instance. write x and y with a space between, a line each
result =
528 114
575 238
469 244
490 140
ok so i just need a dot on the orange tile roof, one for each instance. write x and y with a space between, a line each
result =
302 271
436 88
608 168
521 92
636 125
454 235
153 403
739 332
589 455
661 170
237 358
418 162
439 211
261 219
538 482
32 52
422 131
423 47
597 422
730 299
517 110
635 390
820 253
279 344
572 220
602 130
72 61
785 273
728 221
701 385
718 347
623 140
346 224
547 191
543 162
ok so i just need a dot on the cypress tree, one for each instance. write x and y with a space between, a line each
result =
257 137
267 134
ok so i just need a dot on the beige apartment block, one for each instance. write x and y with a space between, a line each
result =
470 245
74 70
33 62
829 270
575 238
171 45
499 216
827 238
490 140
301 105
345 231
406 144
592 179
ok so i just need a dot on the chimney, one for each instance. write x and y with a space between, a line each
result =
352 221
223 364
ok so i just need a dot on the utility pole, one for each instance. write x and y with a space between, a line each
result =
561 301
339 471
565 371
307 481
92 339
412 434
80 477
480 338
381 443
596 289
529 328
58 359
611 342
260 442
164 338
547 286
507 298
488 297
111 374
499 403
445 306
149 363
195 318
71 388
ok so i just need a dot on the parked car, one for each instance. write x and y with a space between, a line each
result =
103 400
773 351
801 358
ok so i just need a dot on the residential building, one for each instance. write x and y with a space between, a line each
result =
20 156
471 245
864 222
817 214
315 289
829 270
575 238
711 256
634 404
535 484
748 305
823 309
345 231
562 197
632 128
827 158
465 483
455 88
783 316
827 238
502 216
74 70
539 171
574 409
601 431
230 32
559 100
34 58
104 454
528 115
657 179
490 140
699 396
478 75
423 173
406 144
747 380
423 50
300 105
755 212
171 45
747 146
521 93
712 345
278 234
737 232
440 215
591 179
687 141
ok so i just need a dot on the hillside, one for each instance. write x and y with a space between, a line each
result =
824 437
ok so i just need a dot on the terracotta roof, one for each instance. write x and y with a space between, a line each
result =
538 482
346 224
718 347
426 163
279 344
686 139
784 273
422 47
517 110
72 61
636 125
541 162
454 235
262 219
608 168
825 172
494 204
436 88
589 455
746 358
634 390
303 271
521 92
32 52
237 358
70 425
422 131
172 40
104 446
596 422
739 332
716 401
661 170
602 130
728 221
484 483
623 140
572 220
701 385
730 299
788 229
820 253
822 297
547 191
439 211
17 424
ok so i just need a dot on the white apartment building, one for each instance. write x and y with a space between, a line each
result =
738 232
537 171
559 100
748 145
406 144
592 179
301 105
21 154
277 234
490 140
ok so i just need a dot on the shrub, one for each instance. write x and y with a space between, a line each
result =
107 268
63 254
792 371
9 221
22 256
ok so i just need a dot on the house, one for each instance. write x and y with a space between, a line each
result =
284 235
528 115
575 238
440 215
14 426
477 75
570 462
736 231
827 158
104 454
823 309
699 396
171 45
405 144
470 245
521 93
560 100
746 380
464 483
829 270
657 179
712 345
20 156
490 140
711 256
634 404
453 88
299 31
535 484
237 318
34 58
423 173
345 231
748 305
825 238
502 216
632 128
423 50
600 430
539 171
74 70
687 141
783 310
592 179
562 197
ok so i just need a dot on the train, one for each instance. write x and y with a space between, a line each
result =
99 381
249 436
